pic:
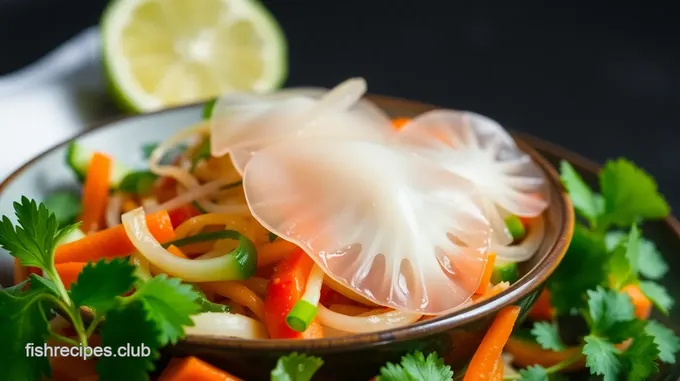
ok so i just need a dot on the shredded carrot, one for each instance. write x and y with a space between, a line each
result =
72 368
482 365
493 291
486 275
542 309
274 252
68 272
191 369
112 242
95 192
498 370
526 353
129 204
174 250
642 304
239 293
398 123
20 272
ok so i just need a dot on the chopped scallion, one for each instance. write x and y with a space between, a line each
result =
301 316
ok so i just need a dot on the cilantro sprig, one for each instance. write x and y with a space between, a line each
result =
602 265
414 366
154 315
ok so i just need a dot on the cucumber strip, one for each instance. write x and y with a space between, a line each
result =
516 227
508 272
78 158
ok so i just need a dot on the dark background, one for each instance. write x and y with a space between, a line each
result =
601 79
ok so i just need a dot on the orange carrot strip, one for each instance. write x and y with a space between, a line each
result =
191 368
542 309
129 205
498 370
642 304
486 275
482 365
174 250
398 123
95 192
493 291
20 272
68 272
113 242
527 353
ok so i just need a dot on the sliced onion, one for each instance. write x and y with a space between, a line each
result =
113 209
192 194
365 324
181 175
526 248
214 269
227 325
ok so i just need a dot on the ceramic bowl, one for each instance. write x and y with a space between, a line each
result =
455 337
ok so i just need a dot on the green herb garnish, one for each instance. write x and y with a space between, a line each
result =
66 206
138 182
296 367
153 316
416 367
599 265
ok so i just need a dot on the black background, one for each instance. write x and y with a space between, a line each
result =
602 79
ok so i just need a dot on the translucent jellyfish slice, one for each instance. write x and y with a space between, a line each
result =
479 149
242 125
389 225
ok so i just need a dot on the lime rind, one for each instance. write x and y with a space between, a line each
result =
130 96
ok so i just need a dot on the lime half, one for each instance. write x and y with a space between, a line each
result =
163 53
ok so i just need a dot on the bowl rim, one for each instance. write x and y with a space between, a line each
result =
530 282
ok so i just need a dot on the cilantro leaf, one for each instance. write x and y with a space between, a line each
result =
630 194
651 263
547 336
658 295
587 257
665 339
296 367
607 307
169 304
99 283
40 283
34 239
601 358
624 260
580 193
624 330
66 206
640 358
128 324
415 367
533 373
16 289
23 321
